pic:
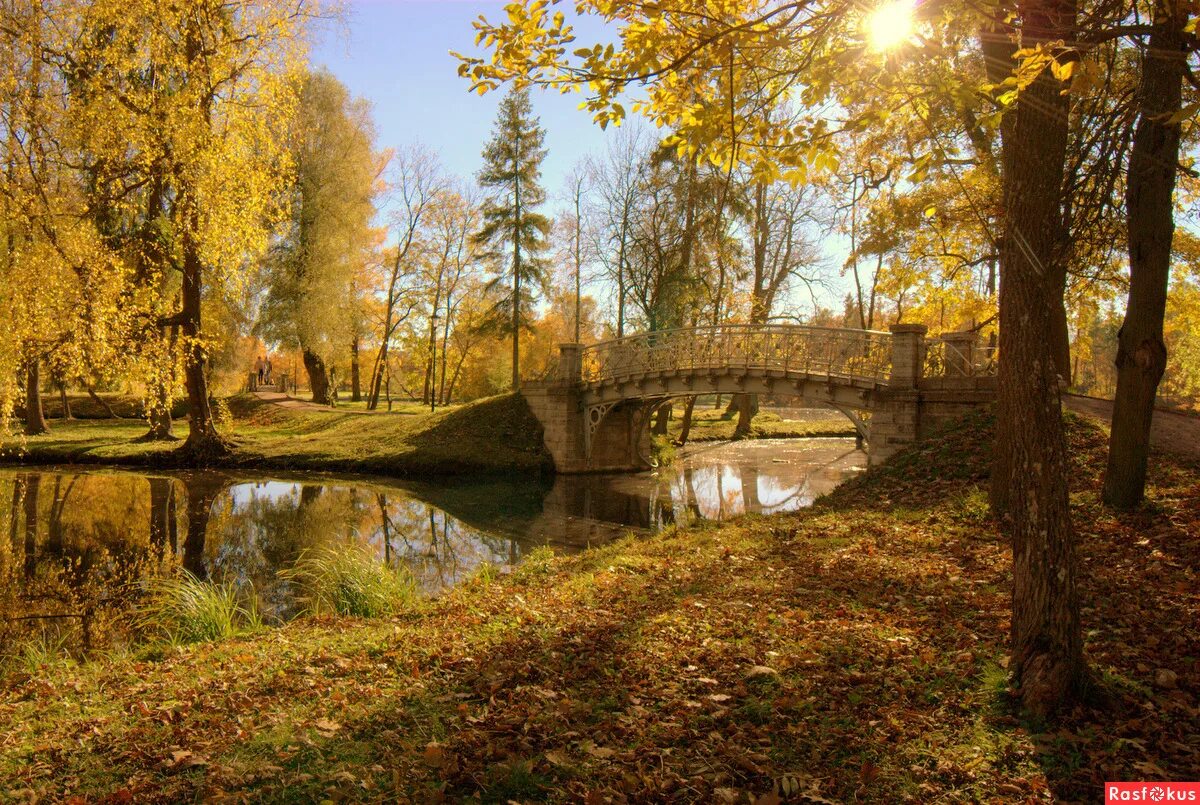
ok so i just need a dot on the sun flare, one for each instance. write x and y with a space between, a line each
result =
890 25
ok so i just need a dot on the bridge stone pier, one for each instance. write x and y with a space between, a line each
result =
895 387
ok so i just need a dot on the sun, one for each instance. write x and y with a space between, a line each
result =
890 25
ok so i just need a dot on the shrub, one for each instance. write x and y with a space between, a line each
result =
662 451
185 609
349 580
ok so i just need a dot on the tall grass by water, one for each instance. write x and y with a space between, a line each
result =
184 609
350 580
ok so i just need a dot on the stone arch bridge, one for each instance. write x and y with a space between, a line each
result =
596 403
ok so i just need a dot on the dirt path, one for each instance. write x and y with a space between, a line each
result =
293 404
1172 432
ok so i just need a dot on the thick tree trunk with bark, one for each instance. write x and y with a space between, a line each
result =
35 417
1141 352
318 377
662 418
747 407
1047 647
204 442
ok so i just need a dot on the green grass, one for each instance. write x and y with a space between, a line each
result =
497 435
185 609
624 670
350 580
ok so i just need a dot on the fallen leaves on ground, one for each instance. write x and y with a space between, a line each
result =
854 652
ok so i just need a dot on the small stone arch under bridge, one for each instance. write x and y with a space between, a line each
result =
596 404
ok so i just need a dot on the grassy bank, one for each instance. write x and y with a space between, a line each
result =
854 651
495 435
709 425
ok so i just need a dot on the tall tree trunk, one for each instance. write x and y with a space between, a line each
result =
377 373
747 407
1047 647
35 417
1153 161
516 302
685 429
355 372
64 401
318 377
442 400
204 441
662 418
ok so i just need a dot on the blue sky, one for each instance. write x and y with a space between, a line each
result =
395 53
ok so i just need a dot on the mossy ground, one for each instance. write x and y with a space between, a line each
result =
628 672
494 435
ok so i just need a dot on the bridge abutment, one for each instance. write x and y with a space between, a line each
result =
617 436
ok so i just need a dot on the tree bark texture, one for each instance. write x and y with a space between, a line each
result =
1141 351
204 441
318 377
1047 648
35 417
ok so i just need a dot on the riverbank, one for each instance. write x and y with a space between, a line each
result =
853 651
497 435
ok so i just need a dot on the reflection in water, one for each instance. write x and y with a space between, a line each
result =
706 482
79 541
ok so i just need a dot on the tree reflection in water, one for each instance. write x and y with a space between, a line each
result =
78 542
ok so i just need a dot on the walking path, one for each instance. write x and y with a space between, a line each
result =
1172 431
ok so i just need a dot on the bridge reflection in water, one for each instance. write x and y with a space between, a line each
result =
707 482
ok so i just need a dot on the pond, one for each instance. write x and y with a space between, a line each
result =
75 542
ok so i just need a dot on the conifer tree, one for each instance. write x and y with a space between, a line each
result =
514 233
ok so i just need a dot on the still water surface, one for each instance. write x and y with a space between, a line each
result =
71 537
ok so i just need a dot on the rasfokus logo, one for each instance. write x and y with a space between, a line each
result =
1151 792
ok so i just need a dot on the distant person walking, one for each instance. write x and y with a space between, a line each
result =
259 366
268 370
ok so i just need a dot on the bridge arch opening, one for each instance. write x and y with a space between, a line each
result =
639 414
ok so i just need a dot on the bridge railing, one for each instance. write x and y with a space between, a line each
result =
822 351
958 355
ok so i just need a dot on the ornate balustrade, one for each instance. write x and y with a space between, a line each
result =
958 355
819 351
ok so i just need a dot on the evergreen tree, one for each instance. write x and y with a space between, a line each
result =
514 233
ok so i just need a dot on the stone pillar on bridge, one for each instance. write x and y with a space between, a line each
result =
896 416
619 437
570 367
908 355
